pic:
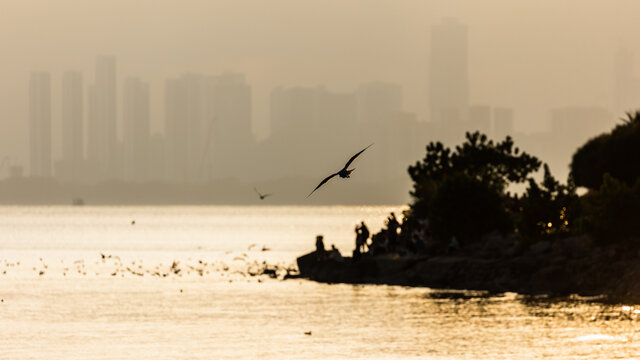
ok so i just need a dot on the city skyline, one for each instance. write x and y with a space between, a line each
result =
217 109
112 131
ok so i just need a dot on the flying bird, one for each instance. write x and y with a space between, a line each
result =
262 196
344 173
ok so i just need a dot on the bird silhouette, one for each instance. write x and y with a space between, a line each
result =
344 173
262 196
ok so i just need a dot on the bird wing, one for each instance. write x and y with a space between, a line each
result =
323 182
257 192
265 195
355 156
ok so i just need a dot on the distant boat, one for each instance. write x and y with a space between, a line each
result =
77 202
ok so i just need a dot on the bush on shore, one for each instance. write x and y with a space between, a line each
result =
461 193
615 153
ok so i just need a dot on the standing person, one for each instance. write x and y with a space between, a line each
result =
392 232
364 234
358 231
320 246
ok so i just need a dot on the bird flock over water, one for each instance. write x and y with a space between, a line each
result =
108 265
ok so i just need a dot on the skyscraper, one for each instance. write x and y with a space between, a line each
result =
480 119
377 102
40 124
502 123
227 125
448 73
136 128
72 127
175 130
185 127
318 124
292 111
102 119
379 113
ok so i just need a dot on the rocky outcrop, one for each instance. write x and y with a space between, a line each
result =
561 268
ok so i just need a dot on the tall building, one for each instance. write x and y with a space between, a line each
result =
502 123
449 78
379 114
226 126
186 128
292 111
40 124
571 127
378 101
102 153
311 128
480 119
176 135
136 126
71 165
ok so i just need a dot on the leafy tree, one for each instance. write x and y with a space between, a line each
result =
462 192
611 212
548 208
610 153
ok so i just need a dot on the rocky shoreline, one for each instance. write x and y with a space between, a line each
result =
569 266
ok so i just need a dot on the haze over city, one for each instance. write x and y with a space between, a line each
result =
260 91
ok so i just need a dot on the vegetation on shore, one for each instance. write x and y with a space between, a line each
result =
462 193
470 232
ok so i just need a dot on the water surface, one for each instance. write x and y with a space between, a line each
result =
62 300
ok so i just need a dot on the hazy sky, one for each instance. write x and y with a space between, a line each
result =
530 55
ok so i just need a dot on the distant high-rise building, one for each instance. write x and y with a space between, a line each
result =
136 126
448 76
379 106
40 123
102 153
226 125
502 123
176 130
297 112
186 128
292 111
320 125
378 102
480 119
626 87
157 158
71 165
575 125
570 128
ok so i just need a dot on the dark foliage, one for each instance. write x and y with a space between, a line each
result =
610 153
547 209
467 208
462 192
611 213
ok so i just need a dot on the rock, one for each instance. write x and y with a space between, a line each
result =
540 247
576 246
553 279
495 244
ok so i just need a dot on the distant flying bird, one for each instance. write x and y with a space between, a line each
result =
262 196
343 173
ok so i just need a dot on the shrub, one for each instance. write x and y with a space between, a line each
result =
611 213
462 192
547 209
609 153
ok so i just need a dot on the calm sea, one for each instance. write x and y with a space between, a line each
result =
176 283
